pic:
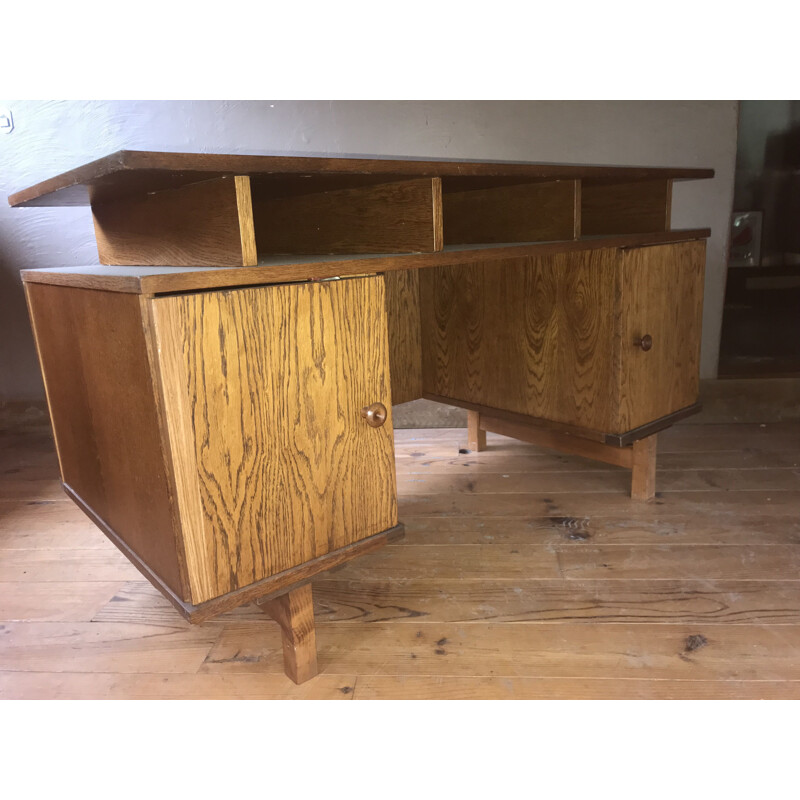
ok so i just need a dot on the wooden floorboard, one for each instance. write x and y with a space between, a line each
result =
524 574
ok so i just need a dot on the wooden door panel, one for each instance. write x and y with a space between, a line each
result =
661 295
536 336
263 389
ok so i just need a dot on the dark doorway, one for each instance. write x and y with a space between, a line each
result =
761 320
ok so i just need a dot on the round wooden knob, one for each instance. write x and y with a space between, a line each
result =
645 342
375 414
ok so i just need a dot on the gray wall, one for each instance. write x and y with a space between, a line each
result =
51 137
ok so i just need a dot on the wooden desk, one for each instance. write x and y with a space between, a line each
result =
221 389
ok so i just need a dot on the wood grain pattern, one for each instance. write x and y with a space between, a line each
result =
472 507
635 207
131 171
643 479
113 567
149 280
263 389
162 686
693 595
103 408
388 218
54 601
593 481
385 687
294 612
201 224
662 295
577 445
558 650
476 435
534 336
529 212
405 331
372 598
99 647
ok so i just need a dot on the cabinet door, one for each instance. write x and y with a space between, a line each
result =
661 293
534 336
262 392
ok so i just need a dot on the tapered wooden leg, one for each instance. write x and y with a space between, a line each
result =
476 438
643 477
294 612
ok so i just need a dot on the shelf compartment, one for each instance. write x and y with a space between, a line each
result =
528 212
209 223
396 217
609 208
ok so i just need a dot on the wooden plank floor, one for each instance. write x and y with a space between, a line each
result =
523 574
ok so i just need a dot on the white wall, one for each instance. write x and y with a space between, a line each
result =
51 137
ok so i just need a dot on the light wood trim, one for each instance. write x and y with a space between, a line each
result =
438 214
476 435
668 218
294 612
201 224
528 212
399 217
564 442
643 478
176 413
309 268
247 232
175 498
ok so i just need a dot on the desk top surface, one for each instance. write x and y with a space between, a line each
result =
302 268
129 172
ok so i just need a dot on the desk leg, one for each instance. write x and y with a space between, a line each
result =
476 437
294 612
643 476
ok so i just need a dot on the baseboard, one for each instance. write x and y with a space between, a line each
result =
20 415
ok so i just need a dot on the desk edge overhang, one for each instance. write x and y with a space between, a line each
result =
194 167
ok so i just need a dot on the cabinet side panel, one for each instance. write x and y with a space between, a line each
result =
662 296
263 392
405 347
94 360
534 336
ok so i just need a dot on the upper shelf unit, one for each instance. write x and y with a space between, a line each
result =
187 209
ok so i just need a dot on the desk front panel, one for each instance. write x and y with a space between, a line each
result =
554 337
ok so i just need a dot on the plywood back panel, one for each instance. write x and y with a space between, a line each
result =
634 207
399 217
530 212
263 389
103 407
